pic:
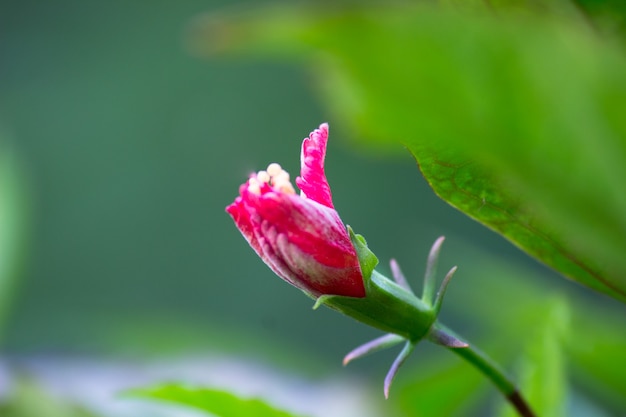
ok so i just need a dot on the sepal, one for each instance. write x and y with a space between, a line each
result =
398 276
367 259
383 342
447 339
442 290
431 271
321 300
404 354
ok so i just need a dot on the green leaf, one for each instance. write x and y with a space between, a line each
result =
517 122
216 402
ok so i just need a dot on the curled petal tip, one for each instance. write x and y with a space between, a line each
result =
312 180
398 276
372 346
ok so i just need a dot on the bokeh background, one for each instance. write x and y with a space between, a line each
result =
125 149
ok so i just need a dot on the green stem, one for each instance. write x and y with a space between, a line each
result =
492 371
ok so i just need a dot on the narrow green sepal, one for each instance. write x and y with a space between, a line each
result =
404 354
376 345
399 277
367 259
431 271
322 300
442 290
443 338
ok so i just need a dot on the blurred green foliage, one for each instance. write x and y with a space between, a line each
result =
216 402
515 120
543 371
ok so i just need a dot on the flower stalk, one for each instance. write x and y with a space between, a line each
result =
498 377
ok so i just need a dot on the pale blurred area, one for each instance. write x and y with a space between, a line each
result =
100 385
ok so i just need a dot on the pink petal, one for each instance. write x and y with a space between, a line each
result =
241 216
259 234
303 217
267 236
310 240
312 180
318 278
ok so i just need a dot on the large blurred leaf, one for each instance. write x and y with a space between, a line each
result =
216 402
516 121
607 15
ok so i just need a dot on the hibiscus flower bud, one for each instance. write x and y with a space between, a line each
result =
300 237
303 240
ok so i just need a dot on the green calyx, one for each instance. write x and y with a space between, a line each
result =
387 307
391 306
367 259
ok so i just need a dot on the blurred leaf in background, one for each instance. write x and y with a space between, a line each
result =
215 402
515 119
